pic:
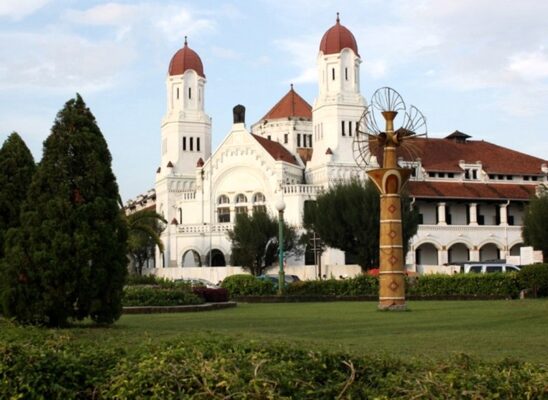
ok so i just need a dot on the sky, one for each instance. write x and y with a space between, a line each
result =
479 66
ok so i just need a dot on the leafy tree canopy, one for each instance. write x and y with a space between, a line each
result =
255 241
16 169
535 224
68 259
144 228
346 217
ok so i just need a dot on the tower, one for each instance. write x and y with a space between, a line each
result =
185 131
339 104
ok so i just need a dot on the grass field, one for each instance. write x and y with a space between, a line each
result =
490 330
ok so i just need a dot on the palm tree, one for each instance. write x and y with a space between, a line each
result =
144 228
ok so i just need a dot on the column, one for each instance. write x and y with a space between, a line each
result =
233 214
443 256
441 214
503 214
474 254
473 211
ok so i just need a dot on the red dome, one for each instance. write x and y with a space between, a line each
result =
336 38
184 59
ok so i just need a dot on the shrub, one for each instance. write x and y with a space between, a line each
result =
499 284
362 285
535 277
247 285
211 295
134 279
158 296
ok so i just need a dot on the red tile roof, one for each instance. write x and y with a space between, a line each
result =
337 38
461 190
184 59
291 105
444 155
276 150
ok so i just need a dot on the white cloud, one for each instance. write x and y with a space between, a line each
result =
224 53
60 61
177 22
301 52
530 65
17 9
113 14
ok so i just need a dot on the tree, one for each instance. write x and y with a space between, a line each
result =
16 169
535 224
68 259
346 217
144 228
255 241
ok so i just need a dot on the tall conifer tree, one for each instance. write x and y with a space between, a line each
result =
68 259
16 169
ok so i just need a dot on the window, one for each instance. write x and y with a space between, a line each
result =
241 198
333 73
492 269
198 144
223 199
259 208
299 140
310 140
476 269
346 73
189 93
177 93
191 143
258 198
184 143
286 138
180 215
241 210
269 137
349 128
342 128
223 214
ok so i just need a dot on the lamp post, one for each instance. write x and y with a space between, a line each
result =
280 206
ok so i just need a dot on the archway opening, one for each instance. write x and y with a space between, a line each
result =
191 258
217 258
489 251
458 253
515 249
426 254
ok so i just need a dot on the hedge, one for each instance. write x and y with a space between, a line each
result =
159 296
210 295
245 285
362 285
535 278
55 367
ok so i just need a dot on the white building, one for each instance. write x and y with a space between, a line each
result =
470 194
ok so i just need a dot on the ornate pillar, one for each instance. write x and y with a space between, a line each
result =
473 211
389 181
441 214
503 208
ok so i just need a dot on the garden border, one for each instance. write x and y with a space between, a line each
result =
178 309
327 298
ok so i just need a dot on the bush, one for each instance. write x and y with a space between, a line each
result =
158 296
535 277
499 284
134 279
210 295
362 285
247 285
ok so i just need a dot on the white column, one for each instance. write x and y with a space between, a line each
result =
503 214
473 211
474 254
443 256
233 214
441 214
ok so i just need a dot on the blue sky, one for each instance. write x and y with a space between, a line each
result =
475 65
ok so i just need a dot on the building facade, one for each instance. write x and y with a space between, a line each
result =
470 194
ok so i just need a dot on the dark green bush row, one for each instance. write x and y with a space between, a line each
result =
506 285
159 296
222 368
247 285
358 286
535 277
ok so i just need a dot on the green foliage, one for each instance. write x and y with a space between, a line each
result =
68 259
500 284
57 367
347 218
535 277
159 296
362 285
144 228
247 285
211 295
254 241
16 170
535 224
133 279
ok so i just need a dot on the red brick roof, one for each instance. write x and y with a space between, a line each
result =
184 59
276 150
291 105
478 190
444 155
337 38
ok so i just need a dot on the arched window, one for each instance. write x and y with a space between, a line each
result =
259 202
223 199
241 207
241 198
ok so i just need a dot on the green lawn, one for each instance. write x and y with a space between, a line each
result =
490 330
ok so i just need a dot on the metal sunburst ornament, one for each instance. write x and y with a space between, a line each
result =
389 180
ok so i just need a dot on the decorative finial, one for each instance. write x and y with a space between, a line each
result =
291 86
338 19
186 41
